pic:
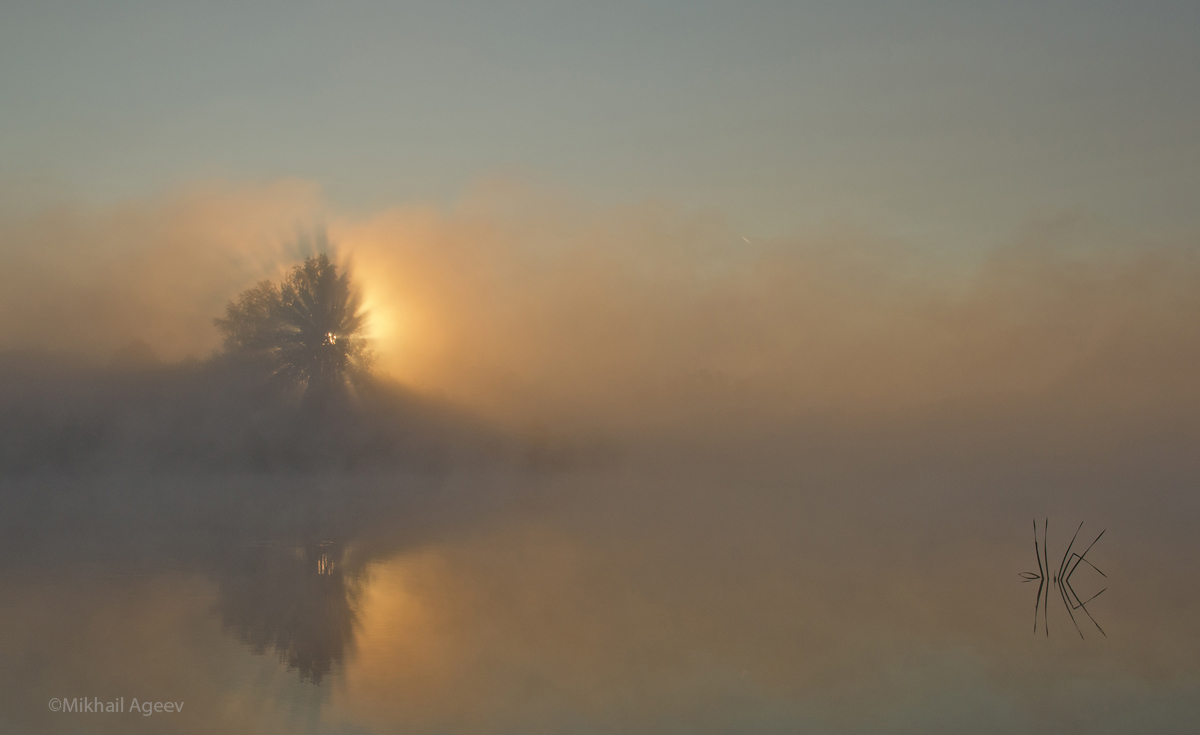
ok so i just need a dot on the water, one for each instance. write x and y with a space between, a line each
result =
834 595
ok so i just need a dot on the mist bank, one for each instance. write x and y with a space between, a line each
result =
60 415
593 332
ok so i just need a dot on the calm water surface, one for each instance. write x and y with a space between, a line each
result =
620 600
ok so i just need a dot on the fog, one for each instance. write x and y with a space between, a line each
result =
621 470
532 309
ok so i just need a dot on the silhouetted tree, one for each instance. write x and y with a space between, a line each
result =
306 332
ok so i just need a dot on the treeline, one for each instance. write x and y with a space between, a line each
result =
218 415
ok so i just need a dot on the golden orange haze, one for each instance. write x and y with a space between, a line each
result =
533 309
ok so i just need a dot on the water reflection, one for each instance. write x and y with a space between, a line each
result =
297 602
275 567
657 602
1061 580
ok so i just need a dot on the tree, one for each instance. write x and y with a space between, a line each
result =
305 333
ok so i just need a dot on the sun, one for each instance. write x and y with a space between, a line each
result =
379 327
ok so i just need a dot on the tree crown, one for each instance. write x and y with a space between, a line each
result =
306 332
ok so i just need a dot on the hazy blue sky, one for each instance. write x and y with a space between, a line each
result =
940 122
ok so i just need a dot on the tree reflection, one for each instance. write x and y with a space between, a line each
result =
296 601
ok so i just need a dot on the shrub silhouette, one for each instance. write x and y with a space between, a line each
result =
305 334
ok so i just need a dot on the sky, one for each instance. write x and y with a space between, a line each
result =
944 124
869 204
